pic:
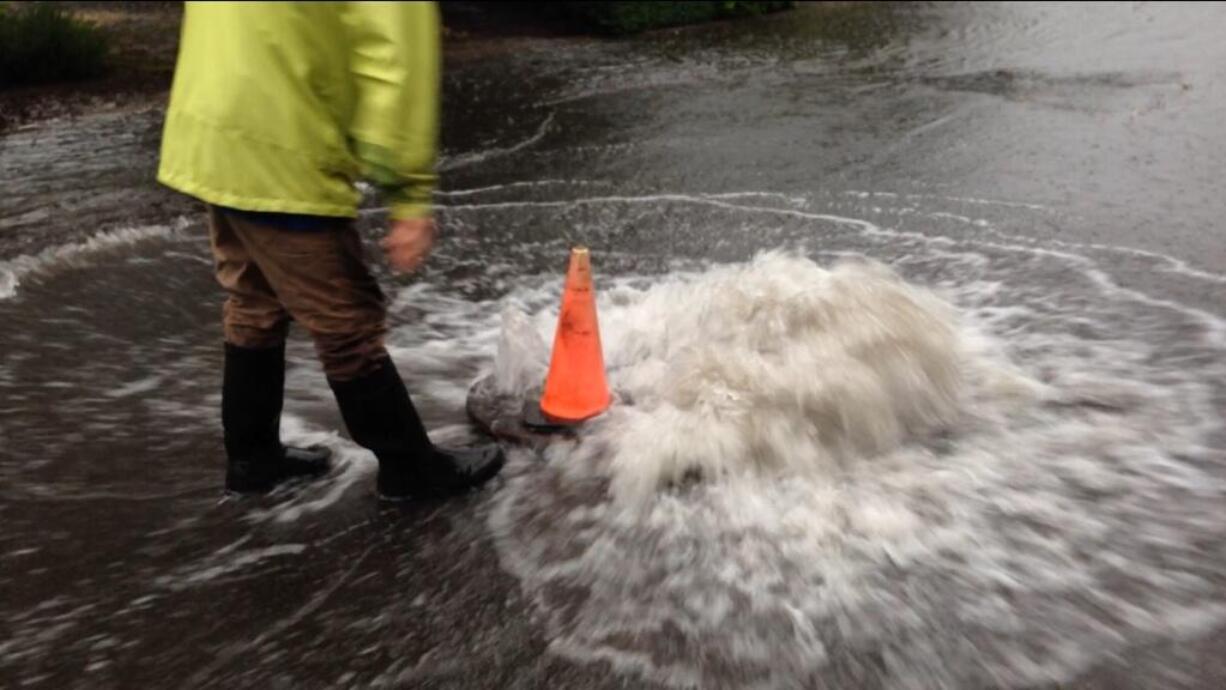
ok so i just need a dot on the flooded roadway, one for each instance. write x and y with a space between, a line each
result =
1050 171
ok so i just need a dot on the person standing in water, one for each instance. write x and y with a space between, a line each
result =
277 109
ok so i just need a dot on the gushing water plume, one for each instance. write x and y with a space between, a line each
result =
833 475
776 366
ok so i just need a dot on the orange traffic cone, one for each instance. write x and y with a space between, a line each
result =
575 388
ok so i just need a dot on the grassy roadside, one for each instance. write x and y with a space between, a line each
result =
143 39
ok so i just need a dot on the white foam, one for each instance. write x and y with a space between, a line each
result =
136 387
778 365
350 464
520 362
1167 263
226 564
463 160
962 525
449 193
861 194
13 271
884 495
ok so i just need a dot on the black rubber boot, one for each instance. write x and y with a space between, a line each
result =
380 416
251 395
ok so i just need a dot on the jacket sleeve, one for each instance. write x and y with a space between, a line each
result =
394 62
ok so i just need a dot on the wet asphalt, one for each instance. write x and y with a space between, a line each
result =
1098 126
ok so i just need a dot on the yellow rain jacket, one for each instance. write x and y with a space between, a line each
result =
283 106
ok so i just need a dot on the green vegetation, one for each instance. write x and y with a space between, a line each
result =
621 18
42 43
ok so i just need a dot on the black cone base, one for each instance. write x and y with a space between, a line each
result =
511 418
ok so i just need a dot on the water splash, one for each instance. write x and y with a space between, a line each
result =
461 160
520 363
885 499
778 366
13 271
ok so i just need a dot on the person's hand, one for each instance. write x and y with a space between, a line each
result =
408 243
